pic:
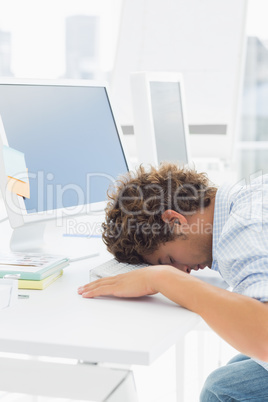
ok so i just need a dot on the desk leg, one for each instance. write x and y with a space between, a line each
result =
180 369
125 391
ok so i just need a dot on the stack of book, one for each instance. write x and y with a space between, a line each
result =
33 271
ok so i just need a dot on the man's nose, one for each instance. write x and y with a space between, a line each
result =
182 267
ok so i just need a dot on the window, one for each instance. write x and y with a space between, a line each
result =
58 39
253 141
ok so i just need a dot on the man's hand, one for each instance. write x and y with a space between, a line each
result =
133 284
238 319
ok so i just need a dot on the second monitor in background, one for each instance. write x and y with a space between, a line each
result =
160 121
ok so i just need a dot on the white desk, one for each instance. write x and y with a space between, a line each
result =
59 323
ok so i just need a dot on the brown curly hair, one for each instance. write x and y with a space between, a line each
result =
133 225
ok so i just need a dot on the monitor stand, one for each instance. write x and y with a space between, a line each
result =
48 238
28 237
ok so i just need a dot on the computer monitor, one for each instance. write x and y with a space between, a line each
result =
72 146
200 46
160 118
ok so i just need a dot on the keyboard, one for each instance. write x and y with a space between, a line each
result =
112 268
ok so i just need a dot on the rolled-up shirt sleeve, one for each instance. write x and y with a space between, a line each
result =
240 239
242 255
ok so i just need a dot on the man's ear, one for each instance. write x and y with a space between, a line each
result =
172 217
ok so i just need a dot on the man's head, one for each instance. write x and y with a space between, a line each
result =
148 209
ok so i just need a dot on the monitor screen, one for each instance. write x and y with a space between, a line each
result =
70 140
160 118
168 121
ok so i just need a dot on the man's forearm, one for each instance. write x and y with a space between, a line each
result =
240 320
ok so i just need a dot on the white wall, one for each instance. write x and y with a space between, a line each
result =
202 39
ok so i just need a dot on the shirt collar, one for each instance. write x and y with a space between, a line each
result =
221 214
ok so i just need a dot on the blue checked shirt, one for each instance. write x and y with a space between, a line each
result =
240 238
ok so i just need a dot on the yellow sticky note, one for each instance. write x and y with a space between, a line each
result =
18 187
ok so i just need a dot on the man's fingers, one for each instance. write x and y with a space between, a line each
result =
98 283
105 290
132 284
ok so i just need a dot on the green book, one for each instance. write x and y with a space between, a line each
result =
33 266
